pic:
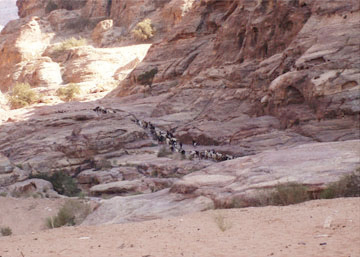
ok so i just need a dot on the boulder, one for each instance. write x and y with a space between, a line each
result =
62 20
100 31
33 186
40 72
5 165
120 187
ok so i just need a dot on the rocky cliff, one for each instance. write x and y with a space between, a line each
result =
274 84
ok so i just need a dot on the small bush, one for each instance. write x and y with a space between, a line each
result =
71 213
3 194
22 95
222 223
283 194
147 77
69 92
62 183
347 186
66 45
289 193
144 30
5 231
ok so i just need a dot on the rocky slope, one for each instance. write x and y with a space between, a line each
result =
273 83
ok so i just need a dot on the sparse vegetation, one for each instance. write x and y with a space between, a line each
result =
71 213
347 186
282 194
22 95
62 183
3 194
68 92
292 193
289 193
144 30
222 223
66 45
147 77
5 231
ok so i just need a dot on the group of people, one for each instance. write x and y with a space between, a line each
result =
167 138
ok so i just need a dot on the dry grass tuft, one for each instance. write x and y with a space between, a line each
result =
22 95
347 186
69 92
5 231
222 223
71 213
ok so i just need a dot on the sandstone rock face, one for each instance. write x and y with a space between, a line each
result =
145 207
281 63
27 42
90 64
62 19
9 173
30 7
134 186
96 8
40 72
235 179
5 165
33 186
100 30
273 83
241 177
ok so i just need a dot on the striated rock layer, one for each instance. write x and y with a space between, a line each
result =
273 83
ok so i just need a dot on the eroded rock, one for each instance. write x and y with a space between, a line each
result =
33 186
146 207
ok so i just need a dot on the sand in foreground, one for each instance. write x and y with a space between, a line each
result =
315 228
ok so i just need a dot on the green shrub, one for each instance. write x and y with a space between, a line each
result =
62 183
147 77
292 193
289 193
3 194
71 213
144 30
22 95
347 186
282 194
5 231
68 92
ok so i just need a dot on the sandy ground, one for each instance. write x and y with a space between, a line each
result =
26 215
315 228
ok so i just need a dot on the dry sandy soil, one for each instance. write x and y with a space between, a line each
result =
315 228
